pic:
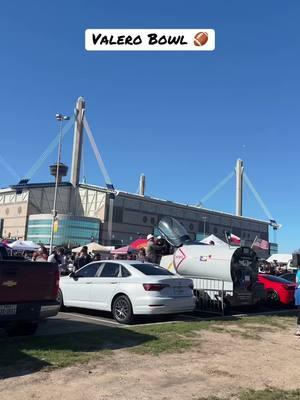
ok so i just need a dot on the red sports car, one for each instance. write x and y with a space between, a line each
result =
278 290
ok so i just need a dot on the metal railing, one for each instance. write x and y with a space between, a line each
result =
211 295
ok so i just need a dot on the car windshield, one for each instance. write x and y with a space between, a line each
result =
276 279
289 277
150 269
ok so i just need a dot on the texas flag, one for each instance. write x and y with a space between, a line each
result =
233 239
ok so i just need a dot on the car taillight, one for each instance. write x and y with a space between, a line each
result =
154 287
56 284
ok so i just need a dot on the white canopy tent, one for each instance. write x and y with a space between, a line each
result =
281 258
215 239
95 248
23 245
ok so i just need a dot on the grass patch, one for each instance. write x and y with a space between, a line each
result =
64 350
29 354
267 394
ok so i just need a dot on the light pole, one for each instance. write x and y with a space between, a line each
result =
60 118
204 220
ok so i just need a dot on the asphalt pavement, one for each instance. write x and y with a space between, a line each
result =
78 320
88 320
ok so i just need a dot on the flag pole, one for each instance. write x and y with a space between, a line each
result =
253 242
226 237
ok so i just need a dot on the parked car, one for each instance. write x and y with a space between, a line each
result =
278 290
126 288
28 292
290 276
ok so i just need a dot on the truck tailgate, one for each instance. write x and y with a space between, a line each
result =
27 281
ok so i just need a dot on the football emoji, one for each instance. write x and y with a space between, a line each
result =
200 39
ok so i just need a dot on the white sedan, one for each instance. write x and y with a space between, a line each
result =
126 288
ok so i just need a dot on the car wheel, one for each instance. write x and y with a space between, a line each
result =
273 297
122 310
60 300
22 329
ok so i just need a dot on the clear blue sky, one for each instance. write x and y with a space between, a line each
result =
181 118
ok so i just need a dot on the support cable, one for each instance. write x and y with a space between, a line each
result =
9 168
108 182
217 187
99 159
37 165
257 197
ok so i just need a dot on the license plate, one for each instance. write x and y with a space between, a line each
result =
178 291
8 309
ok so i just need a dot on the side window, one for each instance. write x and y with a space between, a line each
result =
125 272
110 270
89 271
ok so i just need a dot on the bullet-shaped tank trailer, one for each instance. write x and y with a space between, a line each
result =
234 268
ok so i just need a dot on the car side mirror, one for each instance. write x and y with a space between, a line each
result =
72 275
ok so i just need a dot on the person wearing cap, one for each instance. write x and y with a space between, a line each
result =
151 250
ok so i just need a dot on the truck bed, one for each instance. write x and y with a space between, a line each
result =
28 292
23 281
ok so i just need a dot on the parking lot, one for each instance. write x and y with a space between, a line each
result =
87 320
79 320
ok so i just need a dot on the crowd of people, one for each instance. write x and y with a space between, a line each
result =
273 268
155 248
67 261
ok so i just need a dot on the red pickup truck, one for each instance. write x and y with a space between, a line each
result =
28 292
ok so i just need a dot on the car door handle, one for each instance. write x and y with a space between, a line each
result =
88 283
113 283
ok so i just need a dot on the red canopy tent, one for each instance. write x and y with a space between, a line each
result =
134 246
138 244
121 250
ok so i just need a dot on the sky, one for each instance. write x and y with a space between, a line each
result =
181 118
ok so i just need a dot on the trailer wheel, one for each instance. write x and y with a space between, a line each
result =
227 308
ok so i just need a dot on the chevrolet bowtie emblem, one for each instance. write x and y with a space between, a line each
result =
9 283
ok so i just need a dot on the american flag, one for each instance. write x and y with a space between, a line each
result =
261 244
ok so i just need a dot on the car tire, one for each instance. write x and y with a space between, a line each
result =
22 329
60 300
273 298
122 310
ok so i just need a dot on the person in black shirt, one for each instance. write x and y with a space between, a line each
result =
82 259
